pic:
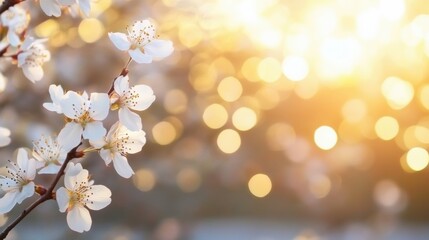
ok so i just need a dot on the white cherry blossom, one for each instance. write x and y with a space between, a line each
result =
137 98
32 57
16 20
117 144
86 115
4 136
84 5
51 7
79 195
56 93
18 183
50 153
142 43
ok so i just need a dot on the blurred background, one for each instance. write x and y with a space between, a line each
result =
275 119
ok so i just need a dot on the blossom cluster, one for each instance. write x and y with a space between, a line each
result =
84 130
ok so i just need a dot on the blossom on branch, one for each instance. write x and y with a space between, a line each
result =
137 98
4 136
56 93
85 116
50 153
16 20
79 195
142 43
18 183
51 7
84 5
31 58
117 144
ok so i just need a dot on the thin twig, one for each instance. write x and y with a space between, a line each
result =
7 4
123 73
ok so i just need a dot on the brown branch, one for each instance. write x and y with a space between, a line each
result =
7 4
45 197
123 73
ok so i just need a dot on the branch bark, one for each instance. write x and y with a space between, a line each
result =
7 4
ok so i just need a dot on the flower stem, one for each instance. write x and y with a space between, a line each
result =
7 4
123 73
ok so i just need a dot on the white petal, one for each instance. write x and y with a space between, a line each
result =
30 171
56 93
73 181
137 139
28 42
85 7
120 40
94 131
50 169
70 135
121 85
51 107
72 105
67 2
13 38
79 219
22 159
4 132
159 49
129 119
26 192
73 170
4 141
8 201
145 97
106 155
33 72
122 166
139 56
50 7
63 198
98 143
99 108
99 197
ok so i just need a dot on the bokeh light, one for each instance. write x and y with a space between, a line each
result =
397 92
229 141
215 116
295 68
164 133
417 158
230 89
144 180
325 137
260 185
90 30
386 128
244 119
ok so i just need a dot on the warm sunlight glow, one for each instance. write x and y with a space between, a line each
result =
295 68
397 92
